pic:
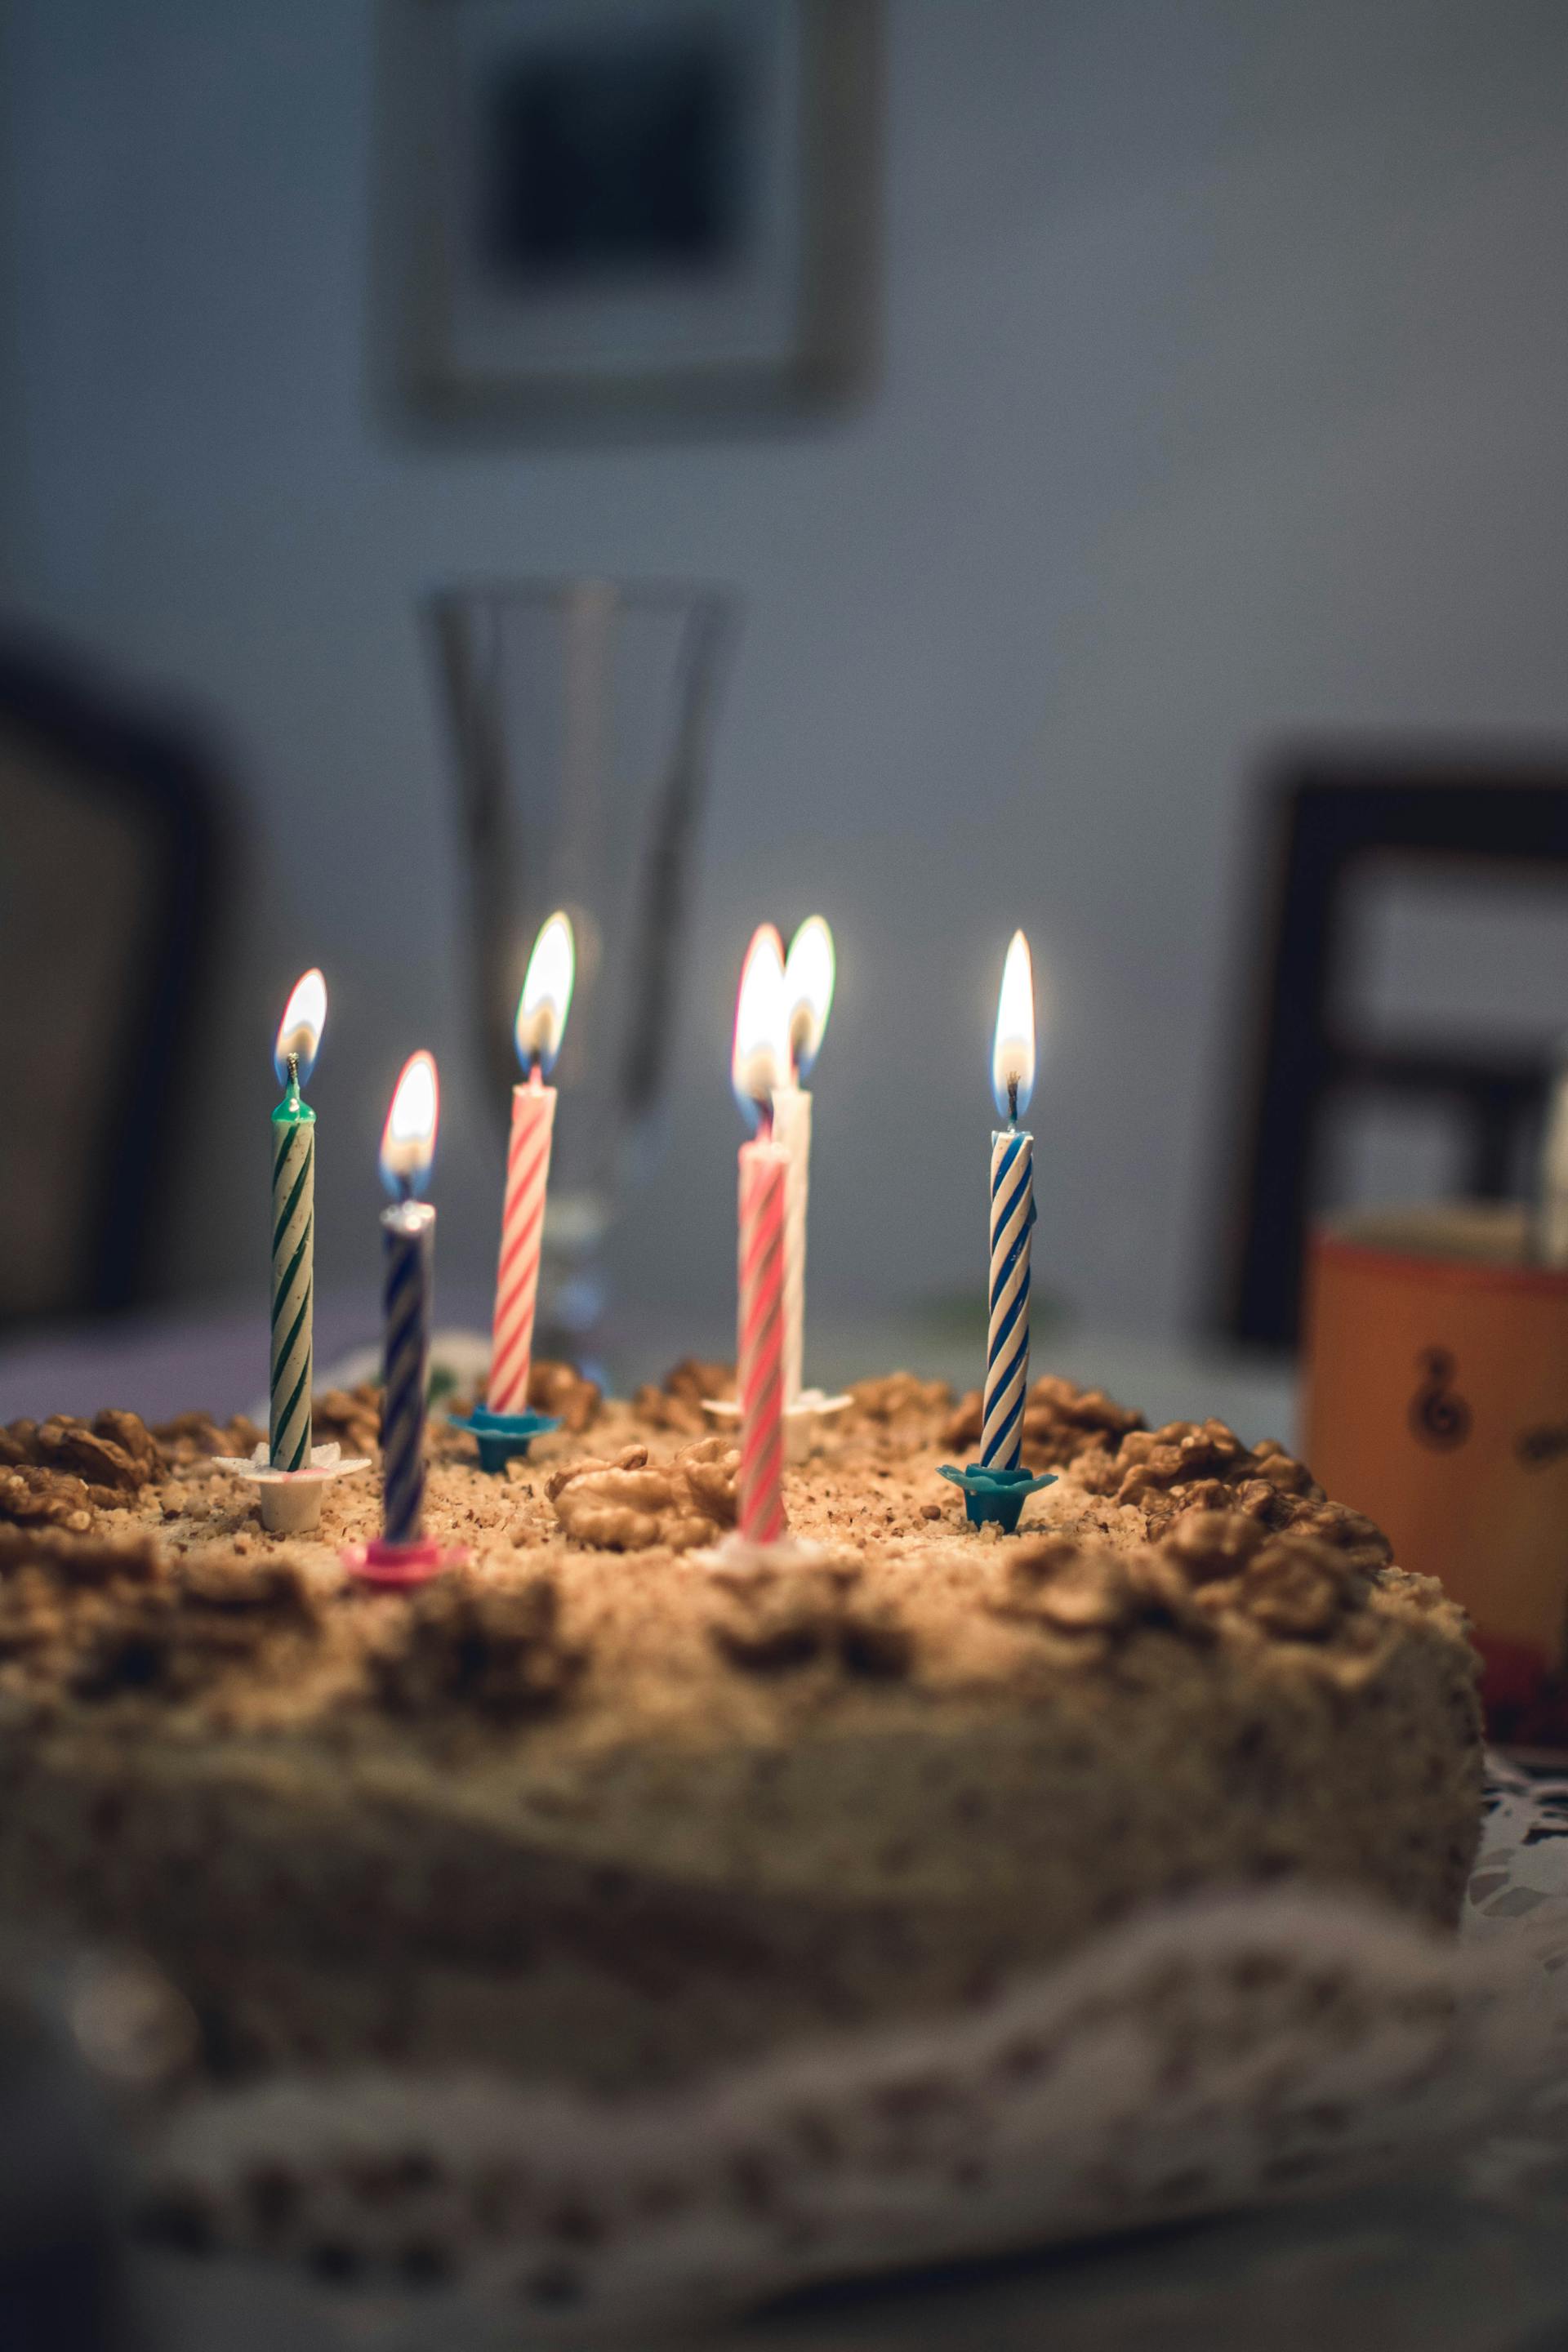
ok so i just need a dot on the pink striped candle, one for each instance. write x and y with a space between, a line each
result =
759 1064
765 1174
521 1229
541 1020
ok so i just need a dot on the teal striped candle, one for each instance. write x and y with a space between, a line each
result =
294 1227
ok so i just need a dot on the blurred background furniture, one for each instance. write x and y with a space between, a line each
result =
109 904
1307 1063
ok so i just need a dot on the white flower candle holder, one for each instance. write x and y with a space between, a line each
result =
806 1422
290 1500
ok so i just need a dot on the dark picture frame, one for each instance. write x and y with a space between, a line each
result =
599 212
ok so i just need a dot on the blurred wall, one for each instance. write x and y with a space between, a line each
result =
1225 394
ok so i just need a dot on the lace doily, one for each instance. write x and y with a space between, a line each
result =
1200 2058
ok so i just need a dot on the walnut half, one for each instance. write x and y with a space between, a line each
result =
628 1504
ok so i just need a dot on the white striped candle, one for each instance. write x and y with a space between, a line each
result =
791 1131
293 1271
1012 1216
294 1226
809 971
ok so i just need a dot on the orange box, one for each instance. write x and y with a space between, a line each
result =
1438 1402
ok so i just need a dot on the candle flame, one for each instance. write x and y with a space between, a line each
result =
299 1031
1013 1054
809 975
408 1139
760 1061
546 998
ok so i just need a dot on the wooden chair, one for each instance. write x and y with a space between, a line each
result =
110 818
1325 819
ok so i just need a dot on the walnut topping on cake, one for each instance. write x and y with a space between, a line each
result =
212 1614
193 1437
99 1618
1061 1422
348 1417
1212 1565
678 1402
32 1497
1087 1586
1153 1461
1190 1467
1073 1587
1296 1588
1363 1545
118 1450
562 1390
463 1643
54 1472
772 1620
712 1472
1208 1545
80 1559
895 1397
628 1504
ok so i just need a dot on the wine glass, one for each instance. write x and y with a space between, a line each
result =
582 713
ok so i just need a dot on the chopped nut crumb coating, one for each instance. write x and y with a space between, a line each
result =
621 1797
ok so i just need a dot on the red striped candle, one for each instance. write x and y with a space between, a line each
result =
764 1172
541 1020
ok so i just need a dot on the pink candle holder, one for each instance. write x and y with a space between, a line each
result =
396 1567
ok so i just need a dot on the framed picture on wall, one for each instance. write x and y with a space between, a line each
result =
602 209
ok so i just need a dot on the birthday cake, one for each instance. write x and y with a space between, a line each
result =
619 1799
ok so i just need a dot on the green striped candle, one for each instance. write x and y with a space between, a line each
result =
294 1226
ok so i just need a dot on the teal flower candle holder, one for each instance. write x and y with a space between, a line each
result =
995 1496
500 1436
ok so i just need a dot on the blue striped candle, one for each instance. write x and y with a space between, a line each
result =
408 1237
1008 1340
408 1233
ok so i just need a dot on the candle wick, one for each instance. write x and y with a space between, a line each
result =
1012 1102
765 1117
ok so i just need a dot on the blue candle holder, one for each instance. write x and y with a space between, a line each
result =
997 1496
500 1435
